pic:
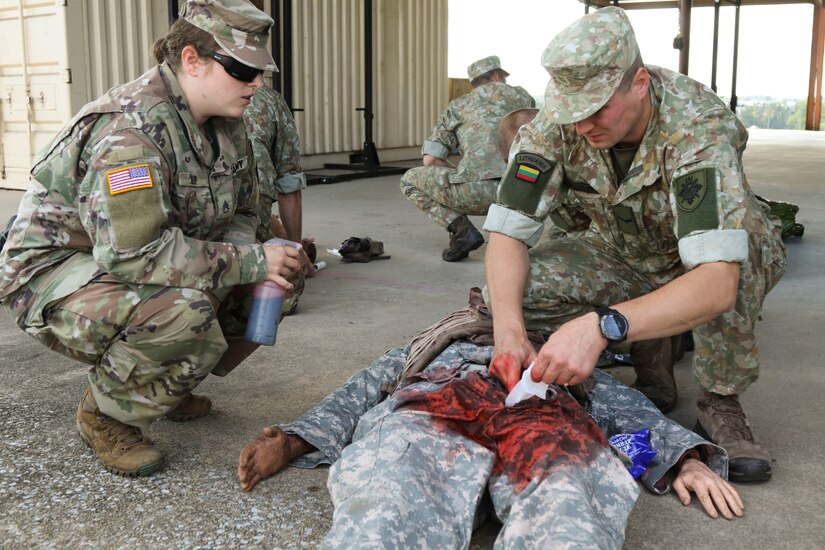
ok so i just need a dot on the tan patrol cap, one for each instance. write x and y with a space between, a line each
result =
239 28
478 68
586 62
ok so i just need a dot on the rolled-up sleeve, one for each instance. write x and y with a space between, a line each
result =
714 246
513 224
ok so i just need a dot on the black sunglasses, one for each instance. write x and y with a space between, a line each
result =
233 67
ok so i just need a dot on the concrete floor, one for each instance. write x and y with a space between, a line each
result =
53 492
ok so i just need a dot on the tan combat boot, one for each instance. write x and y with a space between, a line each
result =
653 363
192 407
121 448
720 419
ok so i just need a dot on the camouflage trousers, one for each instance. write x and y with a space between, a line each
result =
149 346
429 188
569 277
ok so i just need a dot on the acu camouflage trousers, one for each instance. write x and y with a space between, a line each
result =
430 189
570 276
149 346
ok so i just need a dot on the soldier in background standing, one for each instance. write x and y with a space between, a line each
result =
138 229
469 126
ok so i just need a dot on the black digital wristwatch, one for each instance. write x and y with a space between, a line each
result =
612 324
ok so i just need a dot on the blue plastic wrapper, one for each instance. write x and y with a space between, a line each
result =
636 448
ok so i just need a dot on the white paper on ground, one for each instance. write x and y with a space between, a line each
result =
526 388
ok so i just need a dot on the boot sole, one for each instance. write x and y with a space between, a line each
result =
464 253
175 416
756 470
184 417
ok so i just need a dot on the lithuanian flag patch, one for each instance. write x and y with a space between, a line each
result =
527 173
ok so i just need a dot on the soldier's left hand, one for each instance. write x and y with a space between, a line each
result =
570 354
716 495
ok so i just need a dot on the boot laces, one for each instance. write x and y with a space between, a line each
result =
728 410
123 435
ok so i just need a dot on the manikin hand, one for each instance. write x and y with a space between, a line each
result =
715 494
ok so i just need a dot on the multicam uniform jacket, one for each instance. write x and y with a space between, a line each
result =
134 182
469 127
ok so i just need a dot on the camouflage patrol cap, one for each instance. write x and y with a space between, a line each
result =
586 62
478 68
238 27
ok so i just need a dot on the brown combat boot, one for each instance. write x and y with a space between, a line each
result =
121 448
191 407
464 238
653 363
720 419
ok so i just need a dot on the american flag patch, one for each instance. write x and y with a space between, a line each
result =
129 178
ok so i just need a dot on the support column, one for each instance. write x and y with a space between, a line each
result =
685 7
814 110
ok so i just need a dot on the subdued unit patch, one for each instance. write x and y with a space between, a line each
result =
625 219
525 180
696 201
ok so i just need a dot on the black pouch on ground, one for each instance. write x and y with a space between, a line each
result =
362 250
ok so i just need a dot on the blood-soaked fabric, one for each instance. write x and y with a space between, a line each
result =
528 440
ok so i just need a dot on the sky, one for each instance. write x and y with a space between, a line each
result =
774 42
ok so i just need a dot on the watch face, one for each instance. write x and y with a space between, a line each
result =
614 326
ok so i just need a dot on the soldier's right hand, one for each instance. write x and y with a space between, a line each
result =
513 353
281 261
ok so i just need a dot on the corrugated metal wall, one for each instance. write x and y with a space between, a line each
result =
412 70
110 42
410 60
329 73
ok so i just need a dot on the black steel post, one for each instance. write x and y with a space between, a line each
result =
275 42
586 7
735 57
370 152
287 70
172 7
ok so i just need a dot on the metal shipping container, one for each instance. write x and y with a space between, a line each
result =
58 55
